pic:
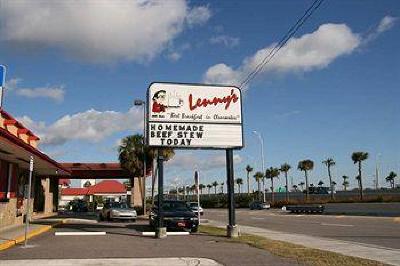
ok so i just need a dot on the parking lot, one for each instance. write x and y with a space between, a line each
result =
124 240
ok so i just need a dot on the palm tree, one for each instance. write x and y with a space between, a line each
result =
215 184
271 173
209 186
306 165
258 176
239 182
249 169
390 178
285 168
131 157
193 189
222 187
301 184
329 162
295 188
358 157
201 187
320 183
345 182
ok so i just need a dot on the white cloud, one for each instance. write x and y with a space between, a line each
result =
175 53
12 83
198 15
99 31
174 56
386 23
226 40
311 51
188 161
91 126
55 93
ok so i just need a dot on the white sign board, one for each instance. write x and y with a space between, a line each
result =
194 116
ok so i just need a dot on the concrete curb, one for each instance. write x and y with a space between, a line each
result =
31 234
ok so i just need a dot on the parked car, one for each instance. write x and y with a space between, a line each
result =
176 215
99 206
117 211
78 206
258 205
193 206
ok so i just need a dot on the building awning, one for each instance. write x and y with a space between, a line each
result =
96 171
15 150
105 187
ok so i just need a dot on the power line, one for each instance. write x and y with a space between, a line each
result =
289 34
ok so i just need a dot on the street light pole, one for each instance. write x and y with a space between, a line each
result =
260 138
143 103
377 171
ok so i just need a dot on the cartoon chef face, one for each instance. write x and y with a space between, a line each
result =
159 99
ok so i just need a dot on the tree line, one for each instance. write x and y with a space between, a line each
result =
133 153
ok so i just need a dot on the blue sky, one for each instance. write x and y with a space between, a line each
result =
72 78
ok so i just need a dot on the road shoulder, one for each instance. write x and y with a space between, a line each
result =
369 252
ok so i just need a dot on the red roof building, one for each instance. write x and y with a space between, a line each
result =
74 191
64 182
105 187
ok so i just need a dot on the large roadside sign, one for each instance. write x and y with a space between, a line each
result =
194 116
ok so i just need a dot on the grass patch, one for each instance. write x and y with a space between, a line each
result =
303 255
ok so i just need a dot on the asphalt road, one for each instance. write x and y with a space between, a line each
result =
379 231
124 240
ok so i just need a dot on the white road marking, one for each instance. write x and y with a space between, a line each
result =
168 233
183 261
344 225
148 233
80 233
257 218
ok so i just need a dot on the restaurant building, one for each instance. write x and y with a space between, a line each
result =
17 145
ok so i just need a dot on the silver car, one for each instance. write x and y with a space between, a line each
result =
193 206
117 211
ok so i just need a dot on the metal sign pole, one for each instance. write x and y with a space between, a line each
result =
197 182
232 230
144 158
27 215
161 230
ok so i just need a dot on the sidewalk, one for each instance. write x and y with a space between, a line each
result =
381 254
13 235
